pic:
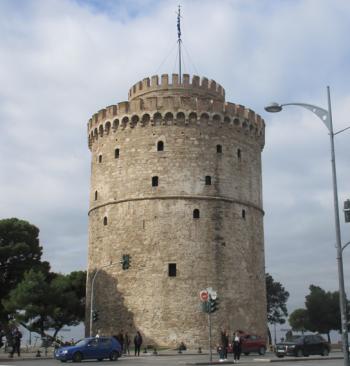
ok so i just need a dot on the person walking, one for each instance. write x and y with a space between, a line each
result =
236 347
137 343
224 342
16 342
120 338
126 343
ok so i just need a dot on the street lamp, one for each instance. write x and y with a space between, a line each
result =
92 293
326 118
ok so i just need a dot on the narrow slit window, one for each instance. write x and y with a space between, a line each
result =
219 149
100 158
154 181
105 221
160 146
116 153
172 269
239 154
243 214
196 213
208 180
96 195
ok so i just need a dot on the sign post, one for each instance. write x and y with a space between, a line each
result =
206 296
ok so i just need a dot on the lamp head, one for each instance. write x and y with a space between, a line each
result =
273 108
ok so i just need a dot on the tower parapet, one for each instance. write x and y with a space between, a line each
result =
200 102
196 87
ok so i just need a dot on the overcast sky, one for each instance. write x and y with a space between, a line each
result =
63 60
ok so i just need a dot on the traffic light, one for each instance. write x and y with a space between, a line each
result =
125 262
95 315
347 210
213 304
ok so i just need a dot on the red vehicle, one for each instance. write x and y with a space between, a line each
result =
251 343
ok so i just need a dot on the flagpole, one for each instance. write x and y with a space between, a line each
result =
179 40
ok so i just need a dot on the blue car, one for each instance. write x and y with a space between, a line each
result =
90 348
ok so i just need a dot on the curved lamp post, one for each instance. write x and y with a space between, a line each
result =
326 118
92 292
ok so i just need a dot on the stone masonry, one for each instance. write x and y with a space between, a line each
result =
176 185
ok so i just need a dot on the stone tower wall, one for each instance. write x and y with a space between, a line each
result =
203 136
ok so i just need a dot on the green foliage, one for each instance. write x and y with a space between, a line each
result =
48 300
323 310
19 252
277 298
299 320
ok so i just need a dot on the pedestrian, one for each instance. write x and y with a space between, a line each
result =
98 333
236 347
16 342
137 343
224 342
120 338
126 343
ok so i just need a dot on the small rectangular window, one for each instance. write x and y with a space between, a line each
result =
154 181
172 269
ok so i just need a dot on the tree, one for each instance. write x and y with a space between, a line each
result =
299 320
48 300
323 310
277 297
19 252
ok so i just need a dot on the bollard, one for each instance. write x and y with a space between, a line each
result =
199 349
155 351
38 353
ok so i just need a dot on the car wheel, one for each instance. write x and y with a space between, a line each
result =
246 353
77 357
63 360
114 356
100 359
299 353
325 352
262 351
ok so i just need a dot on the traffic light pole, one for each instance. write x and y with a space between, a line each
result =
92 293
209 323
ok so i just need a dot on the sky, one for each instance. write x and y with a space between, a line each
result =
63 60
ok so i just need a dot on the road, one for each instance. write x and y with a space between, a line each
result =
181 360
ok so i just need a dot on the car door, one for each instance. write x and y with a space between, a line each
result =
91 349
104 347
308 345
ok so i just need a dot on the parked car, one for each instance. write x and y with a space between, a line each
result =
90 348
251 343
304 345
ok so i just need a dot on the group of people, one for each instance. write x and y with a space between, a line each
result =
236 346
124 340
13 339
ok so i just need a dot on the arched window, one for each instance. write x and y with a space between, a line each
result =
219 149
239 154
160 146
243 214
100 158
207 180
116 153
154 181
105 221
196 213
96 195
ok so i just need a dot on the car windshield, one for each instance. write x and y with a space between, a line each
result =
82 342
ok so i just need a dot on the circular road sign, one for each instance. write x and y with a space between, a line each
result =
204 295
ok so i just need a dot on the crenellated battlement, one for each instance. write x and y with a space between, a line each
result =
200 102
197 87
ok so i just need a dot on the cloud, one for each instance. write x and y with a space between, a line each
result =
64 60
